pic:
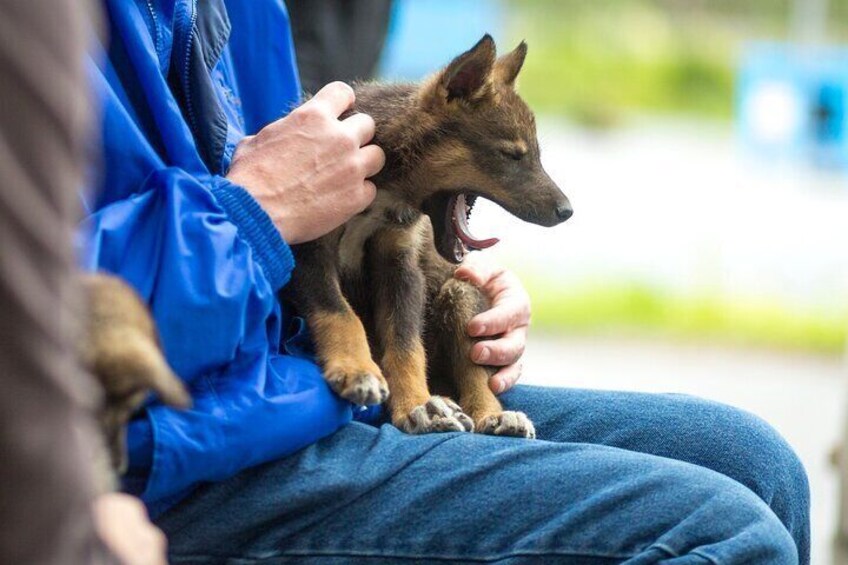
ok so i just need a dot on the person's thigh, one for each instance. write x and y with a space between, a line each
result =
377 495
705 433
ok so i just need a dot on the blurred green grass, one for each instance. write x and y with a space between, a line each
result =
638 309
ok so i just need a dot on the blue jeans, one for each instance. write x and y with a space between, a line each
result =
615 478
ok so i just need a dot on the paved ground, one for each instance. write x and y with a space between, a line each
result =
802 397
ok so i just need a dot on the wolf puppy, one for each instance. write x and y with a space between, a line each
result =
381 286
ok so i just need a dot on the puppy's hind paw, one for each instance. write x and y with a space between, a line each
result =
362 388
439 414
514 424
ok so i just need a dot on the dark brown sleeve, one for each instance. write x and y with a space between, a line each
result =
47 434
338 39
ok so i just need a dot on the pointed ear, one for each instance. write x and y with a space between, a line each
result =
508 66
468 77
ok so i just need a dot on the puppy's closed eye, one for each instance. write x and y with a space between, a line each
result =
515 150
513 154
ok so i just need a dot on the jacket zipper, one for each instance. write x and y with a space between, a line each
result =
157 34
187 64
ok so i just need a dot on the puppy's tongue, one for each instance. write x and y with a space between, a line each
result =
460 226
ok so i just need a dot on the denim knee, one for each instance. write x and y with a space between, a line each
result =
753 453
766 541
784 546
729 524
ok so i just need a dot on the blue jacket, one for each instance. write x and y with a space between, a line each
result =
181 84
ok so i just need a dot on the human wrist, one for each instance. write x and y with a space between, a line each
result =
279 212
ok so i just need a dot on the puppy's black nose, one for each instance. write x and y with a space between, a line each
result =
564 212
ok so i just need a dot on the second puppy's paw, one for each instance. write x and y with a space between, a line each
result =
515 424
439 414
363 387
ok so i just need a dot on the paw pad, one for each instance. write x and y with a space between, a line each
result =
513 424
362 389
439 414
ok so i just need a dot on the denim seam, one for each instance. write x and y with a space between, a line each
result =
672 553
429 556
704 556
664 548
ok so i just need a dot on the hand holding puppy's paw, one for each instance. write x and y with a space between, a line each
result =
363 387
515 424
439 414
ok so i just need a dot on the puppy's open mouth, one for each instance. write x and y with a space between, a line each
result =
449 215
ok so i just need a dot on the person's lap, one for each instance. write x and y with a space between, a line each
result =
615 477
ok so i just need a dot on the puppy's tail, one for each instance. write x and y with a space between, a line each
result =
134 361
157 374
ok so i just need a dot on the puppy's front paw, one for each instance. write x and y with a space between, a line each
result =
439 414
363 387
515 424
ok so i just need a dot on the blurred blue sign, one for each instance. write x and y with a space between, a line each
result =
792 103
425 35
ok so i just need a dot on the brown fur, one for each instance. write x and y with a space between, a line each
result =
343 350
120 346
404 368
464 130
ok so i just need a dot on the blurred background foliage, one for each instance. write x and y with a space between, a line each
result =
620 57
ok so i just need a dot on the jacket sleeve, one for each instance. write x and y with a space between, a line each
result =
209 262
211 288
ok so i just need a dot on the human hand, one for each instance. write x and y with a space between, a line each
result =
506 321
122 523
308 170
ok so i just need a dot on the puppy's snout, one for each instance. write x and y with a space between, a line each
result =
564 212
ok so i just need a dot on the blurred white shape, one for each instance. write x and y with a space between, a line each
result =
676 206
776 111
